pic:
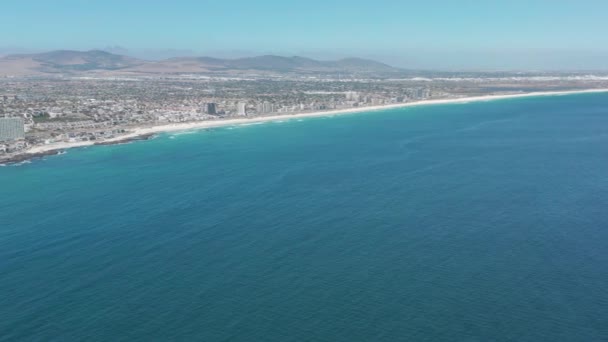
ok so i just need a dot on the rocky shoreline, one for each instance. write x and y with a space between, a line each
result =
20 158
126 140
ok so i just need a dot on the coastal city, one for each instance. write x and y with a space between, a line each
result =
278 171
39 111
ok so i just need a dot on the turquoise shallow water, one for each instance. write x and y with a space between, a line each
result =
469 222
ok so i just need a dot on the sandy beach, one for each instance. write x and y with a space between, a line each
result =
136 132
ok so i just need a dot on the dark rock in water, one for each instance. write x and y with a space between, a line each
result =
28 156
126 140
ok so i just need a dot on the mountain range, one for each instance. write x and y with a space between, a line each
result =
98 61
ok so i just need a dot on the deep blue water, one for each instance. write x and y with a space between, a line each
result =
467 222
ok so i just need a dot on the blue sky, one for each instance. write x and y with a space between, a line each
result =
424 33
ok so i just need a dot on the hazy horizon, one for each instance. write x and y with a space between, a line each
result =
519 35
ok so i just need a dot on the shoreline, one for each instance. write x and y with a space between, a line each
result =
139 132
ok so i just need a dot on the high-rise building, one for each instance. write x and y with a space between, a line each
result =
352 96
12 129
425 93
210 108
268 107
419 93
265 107
241 108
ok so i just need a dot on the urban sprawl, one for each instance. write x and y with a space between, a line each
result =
39 111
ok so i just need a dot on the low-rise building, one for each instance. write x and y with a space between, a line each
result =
12 128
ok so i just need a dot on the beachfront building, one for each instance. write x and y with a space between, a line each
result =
241 108
352 96
12 128
265 107
210 108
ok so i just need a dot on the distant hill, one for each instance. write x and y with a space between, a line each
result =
83 61
265 64
66 61
360 64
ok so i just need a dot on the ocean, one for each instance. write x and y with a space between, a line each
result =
485 221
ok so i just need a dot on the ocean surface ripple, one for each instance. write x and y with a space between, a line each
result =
479 222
